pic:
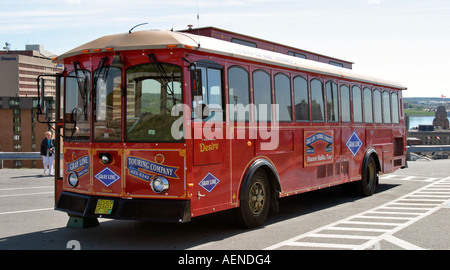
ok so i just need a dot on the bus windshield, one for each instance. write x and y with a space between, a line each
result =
108 104
77 108
150 96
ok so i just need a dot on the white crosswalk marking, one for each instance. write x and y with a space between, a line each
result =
408 178
365 230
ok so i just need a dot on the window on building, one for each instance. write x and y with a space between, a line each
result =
244 42
296 54
14 102
333 63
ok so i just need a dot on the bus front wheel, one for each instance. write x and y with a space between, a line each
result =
255 203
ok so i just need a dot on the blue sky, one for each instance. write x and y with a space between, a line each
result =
403 40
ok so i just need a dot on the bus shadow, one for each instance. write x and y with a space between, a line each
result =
201 231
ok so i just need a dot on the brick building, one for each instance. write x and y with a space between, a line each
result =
19 129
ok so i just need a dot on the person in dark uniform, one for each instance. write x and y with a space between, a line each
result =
47 152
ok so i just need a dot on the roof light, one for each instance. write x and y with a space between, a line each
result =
109 49
189 46
84 51
97 50
171 46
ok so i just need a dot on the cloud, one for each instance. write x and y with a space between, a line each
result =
74 2
374 2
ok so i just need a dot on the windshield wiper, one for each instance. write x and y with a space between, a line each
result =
83 89
162 74
101 68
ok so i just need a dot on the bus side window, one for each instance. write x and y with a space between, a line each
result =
386 108
317 104
301 99
239 94
357 104
377 109
283 97
332 102
345 104
395 108
262 95
207 93
368 113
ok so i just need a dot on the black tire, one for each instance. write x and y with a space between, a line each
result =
255 204
368 183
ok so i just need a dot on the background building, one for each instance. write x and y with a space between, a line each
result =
19 129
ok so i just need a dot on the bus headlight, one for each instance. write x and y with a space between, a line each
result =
72 180
159 184
105 158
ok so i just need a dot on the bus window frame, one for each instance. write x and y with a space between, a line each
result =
376 90
353 104
397 120
125 131
338 117
291 113
255 106
308 98
389 106
249 96
208 64
365 120
320 79
350 107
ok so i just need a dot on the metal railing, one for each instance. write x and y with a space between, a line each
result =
19 156
428 148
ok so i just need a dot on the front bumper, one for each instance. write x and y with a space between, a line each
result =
133 209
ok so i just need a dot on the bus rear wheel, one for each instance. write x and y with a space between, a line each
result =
256 201
368 183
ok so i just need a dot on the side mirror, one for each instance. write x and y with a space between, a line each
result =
205 111
41 103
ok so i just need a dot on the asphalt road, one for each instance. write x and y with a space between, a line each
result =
410 210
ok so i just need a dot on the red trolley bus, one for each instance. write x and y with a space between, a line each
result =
166 126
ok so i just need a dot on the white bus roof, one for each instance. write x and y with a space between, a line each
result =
159 39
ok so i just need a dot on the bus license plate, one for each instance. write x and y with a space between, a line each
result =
104 207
